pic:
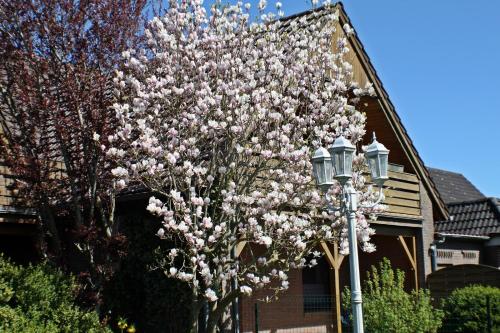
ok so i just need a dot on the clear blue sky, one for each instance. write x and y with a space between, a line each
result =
440 63
439 60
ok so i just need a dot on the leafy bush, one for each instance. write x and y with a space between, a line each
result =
466 309
388 308
41 299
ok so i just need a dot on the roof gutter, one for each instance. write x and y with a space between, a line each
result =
458 236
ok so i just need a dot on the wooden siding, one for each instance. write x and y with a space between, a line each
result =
359 74
402 195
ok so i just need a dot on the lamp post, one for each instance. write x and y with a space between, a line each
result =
336 163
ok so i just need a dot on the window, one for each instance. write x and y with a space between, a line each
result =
316 287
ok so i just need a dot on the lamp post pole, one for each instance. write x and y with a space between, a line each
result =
356 300
336 162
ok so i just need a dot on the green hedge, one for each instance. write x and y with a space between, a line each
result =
388 308
466 309
41 299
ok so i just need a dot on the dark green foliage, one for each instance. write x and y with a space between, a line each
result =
466 309
388 308
41 299
138 292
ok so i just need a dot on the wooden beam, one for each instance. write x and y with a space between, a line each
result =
404 210
385 222
329 256
408 253
414 220
409 177
401 194
402 185
239 248
402 202
411 257
339 260
415 260
335 261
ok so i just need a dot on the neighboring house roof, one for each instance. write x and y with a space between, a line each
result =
472 218
454 187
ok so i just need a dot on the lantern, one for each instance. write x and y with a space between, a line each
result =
322 168
342 152
377 156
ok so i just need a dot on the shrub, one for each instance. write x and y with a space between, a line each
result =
40 298
466 309
388 308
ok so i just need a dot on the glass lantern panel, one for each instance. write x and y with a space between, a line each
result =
339 163
328 171
373 165
319 171
348 163
383 165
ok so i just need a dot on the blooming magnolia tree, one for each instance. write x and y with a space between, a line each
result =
219 117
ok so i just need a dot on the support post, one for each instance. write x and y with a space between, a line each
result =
411 258
414 241
335 261
356 300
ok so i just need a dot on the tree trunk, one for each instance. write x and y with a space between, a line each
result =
218 309
195 312
48 222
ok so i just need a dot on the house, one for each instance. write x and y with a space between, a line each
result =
471 234
403 234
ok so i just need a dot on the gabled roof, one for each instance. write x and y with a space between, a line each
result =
454 187
472 218
388 108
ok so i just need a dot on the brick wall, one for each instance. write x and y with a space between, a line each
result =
285 315
426 236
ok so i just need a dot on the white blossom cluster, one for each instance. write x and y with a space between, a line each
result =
219 117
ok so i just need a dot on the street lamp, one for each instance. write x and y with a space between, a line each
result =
337 163
377 156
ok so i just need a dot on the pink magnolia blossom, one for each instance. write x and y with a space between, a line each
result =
232 111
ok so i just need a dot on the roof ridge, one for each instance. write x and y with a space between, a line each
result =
444 170
495 206
459 203
310 11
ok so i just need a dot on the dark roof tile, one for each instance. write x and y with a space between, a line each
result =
454 187
475 218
